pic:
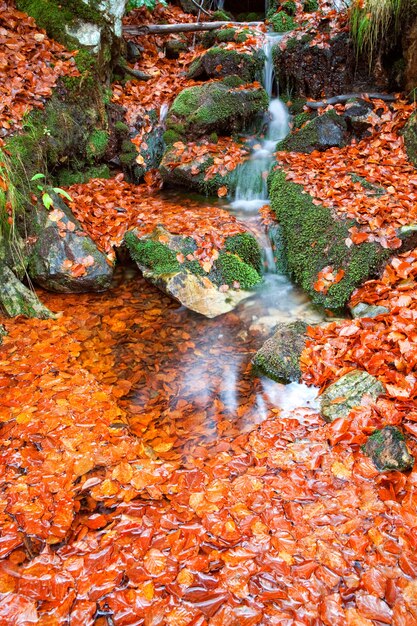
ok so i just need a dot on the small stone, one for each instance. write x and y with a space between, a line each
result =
279 357
368 310
388 450
348 392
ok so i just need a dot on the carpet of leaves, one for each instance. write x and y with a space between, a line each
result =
139 488
385 346
30 65
381 160
108 208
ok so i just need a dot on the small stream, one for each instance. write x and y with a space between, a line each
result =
213 395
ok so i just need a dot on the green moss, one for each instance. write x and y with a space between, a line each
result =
214 138
226 34
241 37
309 6
221 16
54 16
170 137
230 269
313 239
300 119
233 81
246 247
152 254
282 22
410 138
186 101
66 177
128 153
220 61
97 144
309 137
289 7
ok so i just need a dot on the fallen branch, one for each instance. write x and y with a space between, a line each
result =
344 98
166 29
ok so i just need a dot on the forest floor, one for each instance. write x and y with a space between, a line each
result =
130 496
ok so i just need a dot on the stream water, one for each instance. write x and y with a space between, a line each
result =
204 393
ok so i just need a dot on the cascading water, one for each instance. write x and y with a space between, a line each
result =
251 189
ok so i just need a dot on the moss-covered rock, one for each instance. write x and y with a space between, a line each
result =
67 177
279 357
177 172
321 133
314 238
64 258
410 138
347 393
17 299
282 22
174 47
219 107
219 62
186 281
388 450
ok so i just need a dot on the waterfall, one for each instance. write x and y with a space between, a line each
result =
251 189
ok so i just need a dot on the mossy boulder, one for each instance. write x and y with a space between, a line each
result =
348 392
312 238
219 62
223 107
410 138
388 450
17 299
161 257
279 357
64 259
282 22
321 133
191 175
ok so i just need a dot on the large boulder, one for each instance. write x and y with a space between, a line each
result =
311 70
313 238
321 133
279 357
218 62
347 393
166 260
224 107
388 450
64 258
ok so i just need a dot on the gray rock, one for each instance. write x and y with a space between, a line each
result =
359 116
61 245
388 450
348 392
174 47
368 310
219 62
321 133
279 357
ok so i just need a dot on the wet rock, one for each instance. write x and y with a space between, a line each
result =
17 299
279 357
313 237
348 392
174 47
410 138
388 450
311 71
323 132
359 116
176 172
64 258
219 62
212 293
368 310
224 107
